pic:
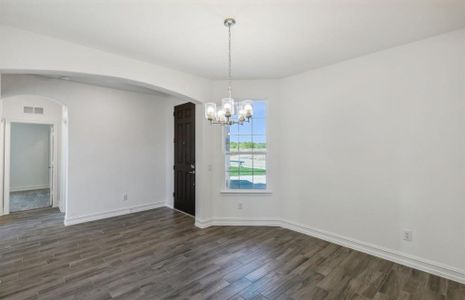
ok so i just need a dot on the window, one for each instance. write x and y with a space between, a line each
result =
245 152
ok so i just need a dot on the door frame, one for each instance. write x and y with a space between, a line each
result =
52 161
6 124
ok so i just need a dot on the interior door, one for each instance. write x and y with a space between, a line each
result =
184 158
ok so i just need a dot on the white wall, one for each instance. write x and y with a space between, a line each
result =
117 145
376 145
30 156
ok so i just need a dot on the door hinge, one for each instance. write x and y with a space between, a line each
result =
174 194
174 114
174 167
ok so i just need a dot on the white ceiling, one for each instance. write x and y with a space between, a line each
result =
273 38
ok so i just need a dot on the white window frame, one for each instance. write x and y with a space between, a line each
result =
267 190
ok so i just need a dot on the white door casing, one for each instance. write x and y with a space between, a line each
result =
7 159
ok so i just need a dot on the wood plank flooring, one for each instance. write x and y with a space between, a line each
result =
160 254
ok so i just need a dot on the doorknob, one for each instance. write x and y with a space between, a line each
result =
192 166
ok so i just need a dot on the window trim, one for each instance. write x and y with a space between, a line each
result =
267 191
227 191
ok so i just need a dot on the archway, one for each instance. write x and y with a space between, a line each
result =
34 109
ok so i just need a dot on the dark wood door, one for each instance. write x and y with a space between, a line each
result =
184 158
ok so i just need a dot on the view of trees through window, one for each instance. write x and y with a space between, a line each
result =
246 147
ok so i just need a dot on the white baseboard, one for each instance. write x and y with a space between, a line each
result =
112 213
405 259
29 188
231 221
202 223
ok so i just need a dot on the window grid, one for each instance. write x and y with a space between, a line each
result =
242 168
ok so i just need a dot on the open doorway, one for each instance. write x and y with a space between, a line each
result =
22 112
31 164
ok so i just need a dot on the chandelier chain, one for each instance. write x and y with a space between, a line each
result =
230 62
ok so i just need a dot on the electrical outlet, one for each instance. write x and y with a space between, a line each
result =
239 205
125 197
407 235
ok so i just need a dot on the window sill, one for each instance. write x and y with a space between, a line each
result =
246 192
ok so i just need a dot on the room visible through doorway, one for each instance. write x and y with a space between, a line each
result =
31 166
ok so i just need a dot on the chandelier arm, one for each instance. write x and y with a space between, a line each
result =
227 123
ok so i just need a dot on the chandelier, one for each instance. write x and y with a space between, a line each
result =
230 112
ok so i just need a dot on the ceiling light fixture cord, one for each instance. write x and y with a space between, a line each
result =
230 61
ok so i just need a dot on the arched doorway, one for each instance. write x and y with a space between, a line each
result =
43 111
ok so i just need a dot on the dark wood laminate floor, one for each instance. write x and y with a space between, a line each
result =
159 254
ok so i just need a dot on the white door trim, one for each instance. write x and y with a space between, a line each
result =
6 166
2 161
51 167
7 159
